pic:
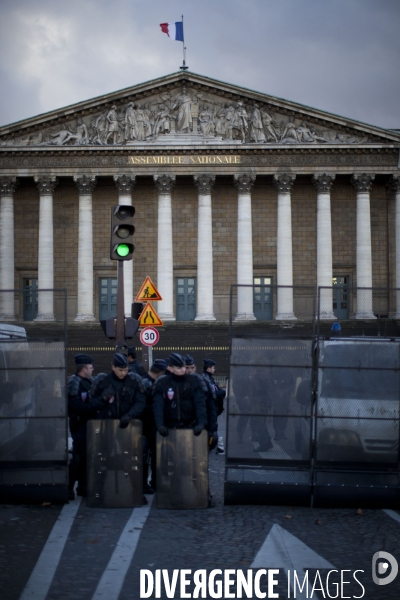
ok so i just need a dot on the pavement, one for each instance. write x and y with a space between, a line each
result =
51 552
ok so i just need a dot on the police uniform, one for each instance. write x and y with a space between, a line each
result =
149 427
116 398
212 423
79 412
179 401
135 366
219 395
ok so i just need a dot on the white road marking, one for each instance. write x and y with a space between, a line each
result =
282 550
392 514
110 584
42 575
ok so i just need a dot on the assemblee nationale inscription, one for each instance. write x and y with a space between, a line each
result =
231 159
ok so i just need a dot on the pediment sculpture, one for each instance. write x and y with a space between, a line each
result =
186 117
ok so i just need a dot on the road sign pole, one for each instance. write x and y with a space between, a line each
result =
147 352
120 325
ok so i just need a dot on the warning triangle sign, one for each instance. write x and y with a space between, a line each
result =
147 292
149 317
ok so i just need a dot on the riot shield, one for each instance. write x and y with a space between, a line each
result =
114 464
182 470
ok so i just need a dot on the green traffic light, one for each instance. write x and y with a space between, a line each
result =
123 250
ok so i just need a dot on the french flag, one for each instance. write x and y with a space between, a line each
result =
173 30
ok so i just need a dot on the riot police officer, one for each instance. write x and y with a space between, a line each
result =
179 399
135 366
156 370
79 412
212 424
118 395
208 372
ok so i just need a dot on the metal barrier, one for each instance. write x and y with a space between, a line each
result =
267 460
314 420
33 417
357 422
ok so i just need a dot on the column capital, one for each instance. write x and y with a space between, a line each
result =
8 185
284 181
164 183
323 182
125 183
204 183
362 182
244 182
85 183
396 183
46 185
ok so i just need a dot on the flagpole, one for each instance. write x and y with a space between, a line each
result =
183 67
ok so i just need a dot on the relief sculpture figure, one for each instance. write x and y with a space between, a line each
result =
100 127
162 124
131 124
256 129
271 127
183 104
289 135
113 125
206 122
143 122
220 122
239 122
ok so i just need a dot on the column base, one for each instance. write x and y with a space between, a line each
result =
285 317
84 317
167 316
365 315
45 317
245 317
205 317
5 317
326 316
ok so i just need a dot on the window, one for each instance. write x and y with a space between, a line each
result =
30 305
108 298
185 299
341 297
262 298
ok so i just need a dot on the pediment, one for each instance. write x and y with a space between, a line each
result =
184 109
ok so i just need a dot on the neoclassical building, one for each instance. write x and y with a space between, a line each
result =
229 186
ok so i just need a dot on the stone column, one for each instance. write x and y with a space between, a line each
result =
284 182
323 185
125 184
244 184
165 258
7 189
363 183
205 288
85 185
396 188
46 187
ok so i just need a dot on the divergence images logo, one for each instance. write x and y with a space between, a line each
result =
383 568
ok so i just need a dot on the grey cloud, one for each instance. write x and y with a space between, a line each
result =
334 55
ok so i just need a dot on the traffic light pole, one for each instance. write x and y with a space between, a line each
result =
120 325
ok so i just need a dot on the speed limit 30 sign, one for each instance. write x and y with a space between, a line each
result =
149 336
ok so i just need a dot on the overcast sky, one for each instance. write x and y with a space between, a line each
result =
342 56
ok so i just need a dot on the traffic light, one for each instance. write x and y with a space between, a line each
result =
122 230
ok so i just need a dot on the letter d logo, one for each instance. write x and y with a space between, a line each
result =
383 567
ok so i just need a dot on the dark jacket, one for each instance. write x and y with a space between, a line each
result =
137 367
212 413
180 401
219 393
114 397
79 408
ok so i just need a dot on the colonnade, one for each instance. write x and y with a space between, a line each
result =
204 183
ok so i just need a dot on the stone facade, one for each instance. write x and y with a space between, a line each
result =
218 142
